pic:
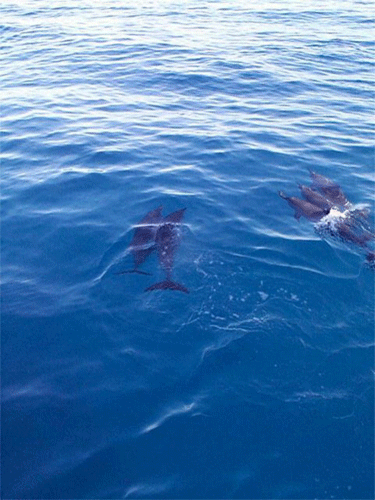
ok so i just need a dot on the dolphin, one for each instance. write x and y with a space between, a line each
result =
315 198
305 208
335 195
167 242
143 242
348 227
320 180
330 189
348 233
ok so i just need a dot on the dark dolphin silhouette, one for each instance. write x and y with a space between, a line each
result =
351 230
345 222
143 242
330 189
370 257
314 197
347 232
320 180
167 242
305 208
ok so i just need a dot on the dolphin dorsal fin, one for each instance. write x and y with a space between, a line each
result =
175 216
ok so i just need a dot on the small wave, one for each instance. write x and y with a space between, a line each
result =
149 489
318 395
31 390
63 463
179 409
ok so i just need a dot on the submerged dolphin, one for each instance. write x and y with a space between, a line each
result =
143 242
315 198
348 227
305 208
370 257
347 232
167 242
330 189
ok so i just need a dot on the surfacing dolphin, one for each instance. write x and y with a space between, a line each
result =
305 208
143 242
330 189
314 197
319 180
167 242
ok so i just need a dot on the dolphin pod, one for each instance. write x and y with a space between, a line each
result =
323 203
152 233
319 199
325 197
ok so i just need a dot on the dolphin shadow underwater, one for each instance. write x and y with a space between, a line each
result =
152 233
143 242
167 241
326 205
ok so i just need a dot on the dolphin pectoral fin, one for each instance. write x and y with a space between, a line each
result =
167 285
137 271
297 215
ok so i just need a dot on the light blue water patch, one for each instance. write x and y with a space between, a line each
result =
259 383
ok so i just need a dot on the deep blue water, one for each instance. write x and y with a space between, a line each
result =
259 383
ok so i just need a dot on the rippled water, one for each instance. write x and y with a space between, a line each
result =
259 383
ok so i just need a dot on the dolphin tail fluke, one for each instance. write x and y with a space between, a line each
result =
167 285
129 271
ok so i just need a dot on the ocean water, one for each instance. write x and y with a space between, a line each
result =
257 384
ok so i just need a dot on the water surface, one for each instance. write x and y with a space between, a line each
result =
259 383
